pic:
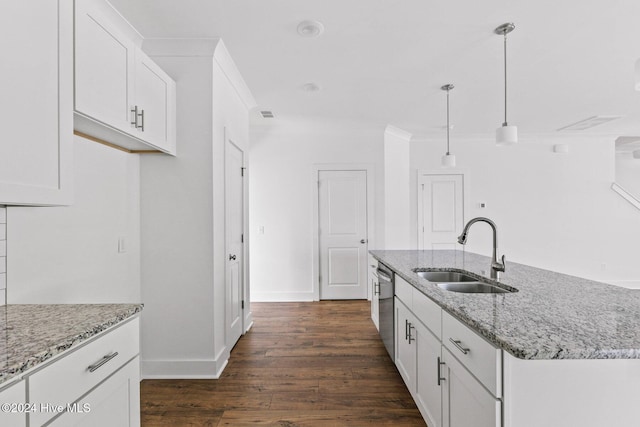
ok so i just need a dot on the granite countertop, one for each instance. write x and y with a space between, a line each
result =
552 316
33 333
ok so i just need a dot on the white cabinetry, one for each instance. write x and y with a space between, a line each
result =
110 404
375 290
121 95
96 384
36 41
13 394
418 349
466 403
454 375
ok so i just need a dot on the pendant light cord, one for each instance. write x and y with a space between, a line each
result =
505 79
448 127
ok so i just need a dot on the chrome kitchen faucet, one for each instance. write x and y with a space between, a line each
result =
496 266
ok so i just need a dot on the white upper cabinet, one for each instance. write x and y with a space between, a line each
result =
156 102
121 96
104 68
36 41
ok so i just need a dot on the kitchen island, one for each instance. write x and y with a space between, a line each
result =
51 355
568 349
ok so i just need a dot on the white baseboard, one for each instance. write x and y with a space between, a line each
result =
281 296
182 369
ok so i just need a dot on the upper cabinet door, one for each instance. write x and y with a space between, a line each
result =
121 96
104 67
155 100
36 106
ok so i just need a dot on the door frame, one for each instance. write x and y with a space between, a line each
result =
420 201
315 229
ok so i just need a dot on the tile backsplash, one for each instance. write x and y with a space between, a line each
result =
3 255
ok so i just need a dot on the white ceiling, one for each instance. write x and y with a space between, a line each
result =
383 61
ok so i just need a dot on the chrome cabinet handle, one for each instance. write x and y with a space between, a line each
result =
459 346
376 289
406 329
141 115
440 379
134 111
411 338
98 364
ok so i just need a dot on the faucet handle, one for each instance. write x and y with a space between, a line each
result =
499 266
503 263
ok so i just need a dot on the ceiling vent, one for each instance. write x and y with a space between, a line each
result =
589 123
266 114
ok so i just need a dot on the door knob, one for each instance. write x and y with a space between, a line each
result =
363 241
232 257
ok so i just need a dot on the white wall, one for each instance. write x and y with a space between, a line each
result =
281 189
182 204
70 254
628 173
397 229
553 211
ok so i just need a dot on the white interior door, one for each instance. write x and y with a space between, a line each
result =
342 214
440 210
234 224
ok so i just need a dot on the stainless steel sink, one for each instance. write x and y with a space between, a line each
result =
457 281
445 276
472 288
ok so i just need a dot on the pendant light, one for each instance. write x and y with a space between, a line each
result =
448 160
506 134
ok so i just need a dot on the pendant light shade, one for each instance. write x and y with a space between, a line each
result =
506 134
448 160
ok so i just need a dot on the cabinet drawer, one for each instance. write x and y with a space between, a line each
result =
63 381
479 356
428 312
404 291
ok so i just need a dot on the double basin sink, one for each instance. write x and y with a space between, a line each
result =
457 281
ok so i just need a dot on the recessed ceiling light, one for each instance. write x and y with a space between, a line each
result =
590 122
310 87
310 28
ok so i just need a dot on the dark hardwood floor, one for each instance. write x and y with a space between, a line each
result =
301 364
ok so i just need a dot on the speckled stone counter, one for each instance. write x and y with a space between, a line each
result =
552 316
33 333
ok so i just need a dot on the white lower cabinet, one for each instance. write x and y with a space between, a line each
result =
13 396
94 385
110 403
449 389
428 391
375 290
465 402
418 361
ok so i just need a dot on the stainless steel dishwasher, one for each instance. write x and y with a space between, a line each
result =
386 308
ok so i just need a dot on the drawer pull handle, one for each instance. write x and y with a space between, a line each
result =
459 346
440 378
101 362
411 338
